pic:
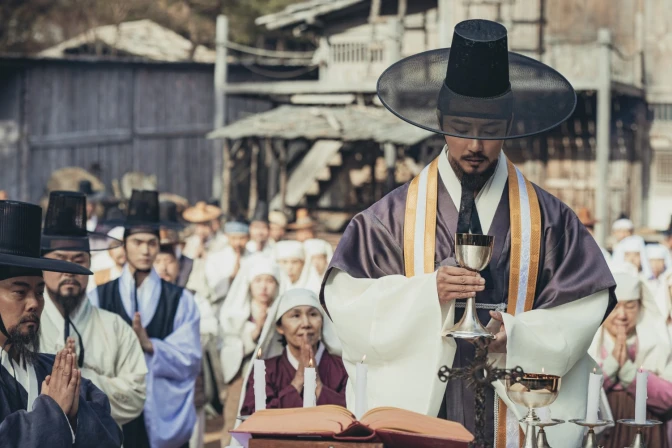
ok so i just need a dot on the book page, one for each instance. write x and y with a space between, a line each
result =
394 419
324 420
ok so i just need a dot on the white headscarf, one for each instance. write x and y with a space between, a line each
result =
269 341
653 344
663 296
290 249
633 243
237 309
315 246
623 224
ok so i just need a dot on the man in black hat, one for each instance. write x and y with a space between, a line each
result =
393 280
171 246
260 232
44 401
86 188
166 321
107 350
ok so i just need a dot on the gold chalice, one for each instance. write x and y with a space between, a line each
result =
472 252
534 391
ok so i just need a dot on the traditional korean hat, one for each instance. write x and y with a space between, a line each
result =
20 248
260 213
65 226
303 220
444 90
86 188
201 213
169 232
143 214
278 218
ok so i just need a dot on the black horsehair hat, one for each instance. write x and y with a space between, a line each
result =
65 226
260 212
20 248
143 214
477 89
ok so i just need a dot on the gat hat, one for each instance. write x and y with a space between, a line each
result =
143 214
20 248
477 89
65 226
586 217
201 213
303 220
86 188
170 223
260 213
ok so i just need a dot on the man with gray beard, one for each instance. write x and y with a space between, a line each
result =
44 401
108 351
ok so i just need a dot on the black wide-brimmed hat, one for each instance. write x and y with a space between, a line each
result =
65 226
20 234
143 212
86 188
260 212
477 89
170 223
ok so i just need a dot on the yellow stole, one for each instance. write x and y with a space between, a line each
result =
525 221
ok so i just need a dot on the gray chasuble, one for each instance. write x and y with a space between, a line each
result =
396 319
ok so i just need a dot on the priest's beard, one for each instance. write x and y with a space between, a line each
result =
68 301
25 346
473 181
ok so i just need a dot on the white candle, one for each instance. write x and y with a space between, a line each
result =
259 383
309 385
361 405
594 387
640 397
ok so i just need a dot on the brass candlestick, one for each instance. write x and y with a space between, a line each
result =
472 252
590 440
638 441
534 391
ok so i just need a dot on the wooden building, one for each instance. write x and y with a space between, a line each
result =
603 47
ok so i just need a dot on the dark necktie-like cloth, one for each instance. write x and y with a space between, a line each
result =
467 219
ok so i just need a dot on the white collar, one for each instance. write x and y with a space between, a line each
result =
27 377
148 292
295 362
487 199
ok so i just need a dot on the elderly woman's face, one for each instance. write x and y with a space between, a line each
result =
623 318
301 325
263 288
292 267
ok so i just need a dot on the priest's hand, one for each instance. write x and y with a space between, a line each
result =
457 283
63 383
141 332
498 345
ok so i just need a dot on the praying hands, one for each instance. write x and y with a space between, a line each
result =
63 385
304 361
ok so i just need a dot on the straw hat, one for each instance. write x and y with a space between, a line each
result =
201 212
303 220
586 217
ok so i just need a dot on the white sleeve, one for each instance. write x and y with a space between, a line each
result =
397 323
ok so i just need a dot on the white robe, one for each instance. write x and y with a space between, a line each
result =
170 414
113 358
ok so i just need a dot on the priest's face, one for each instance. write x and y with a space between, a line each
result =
471 156
264 288
21 304
141 250
292 267
259 232
301 325
623 318
67 290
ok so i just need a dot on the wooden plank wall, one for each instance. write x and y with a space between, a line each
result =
119 117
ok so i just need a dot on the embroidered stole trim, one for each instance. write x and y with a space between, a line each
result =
525 221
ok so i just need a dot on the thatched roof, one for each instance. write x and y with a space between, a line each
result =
304 12
140 38
349 124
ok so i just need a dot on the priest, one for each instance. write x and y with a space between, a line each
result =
166 321
44 401
107 350
392 283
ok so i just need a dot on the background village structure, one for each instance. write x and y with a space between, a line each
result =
305 128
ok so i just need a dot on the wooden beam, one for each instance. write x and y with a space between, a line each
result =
254 181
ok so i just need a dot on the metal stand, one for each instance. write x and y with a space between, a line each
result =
478 375
590 441
638 441
541 435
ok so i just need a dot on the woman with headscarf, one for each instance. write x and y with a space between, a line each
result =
291 257
297 331
318 254
663 298
633 337
658 258
242 316
632 249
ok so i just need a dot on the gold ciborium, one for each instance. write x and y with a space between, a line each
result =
472 252
534 391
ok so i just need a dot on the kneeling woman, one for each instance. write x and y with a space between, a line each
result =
296 332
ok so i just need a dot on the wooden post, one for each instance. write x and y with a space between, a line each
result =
254 181
226 177
273 170
221 69
282 160
603 137
445 23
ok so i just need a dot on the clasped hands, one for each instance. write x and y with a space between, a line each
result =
453 282
304 361
64 383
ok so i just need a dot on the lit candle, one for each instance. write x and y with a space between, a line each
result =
594 388
640 397
259 383
361 405
309 385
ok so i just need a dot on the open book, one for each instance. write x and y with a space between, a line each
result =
392 426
